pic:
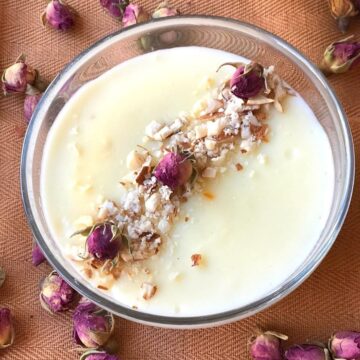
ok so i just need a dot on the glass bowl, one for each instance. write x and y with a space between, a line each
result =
214 32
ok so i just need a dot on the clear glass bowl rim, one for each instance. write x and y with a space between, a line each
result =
256 306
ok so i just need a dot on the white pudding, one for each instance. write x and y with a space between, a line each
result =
252 227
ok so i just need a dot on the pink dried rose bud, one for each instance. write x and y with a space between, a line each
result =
164 10
247 81
173 170
58 15
104 241
342 11
345 345
134 14
37 255
115 8
18 77
93 326
357 4
341 56
56 295
267 346
97 355
30 103
7 334
307 352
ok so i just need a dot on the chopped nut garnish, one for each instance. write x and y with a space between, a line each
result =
209 195
185 154
88 273
145 170
239 167
148 290
102 287
135 160
209 172
260 115
196 259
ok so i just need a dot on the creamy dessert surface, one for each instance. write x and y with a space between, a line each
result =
252 225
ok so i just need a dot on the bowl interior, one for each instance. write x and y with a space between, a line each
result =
218 33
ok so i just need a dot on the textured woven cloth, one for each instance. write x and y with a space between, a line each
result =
328 300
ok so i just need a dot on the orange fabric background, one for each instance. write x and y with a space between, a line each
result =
328 300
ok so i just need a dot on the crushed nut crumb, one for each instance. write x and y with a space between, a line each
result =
196 259
102 287
148 290
209 195
239 167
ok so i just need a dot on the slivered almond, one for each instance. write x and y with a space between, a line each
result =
209 172
148 290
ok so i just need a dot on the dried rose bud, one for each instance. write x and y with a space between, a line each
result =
164 10
267 346
58 15
345 345
7 333
134 14
247 81
30 103
37 255
341 56
93 326
18 77
356 4
342 11
115 8
103 241
56 295
2 276
173 170
307 352
97 355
